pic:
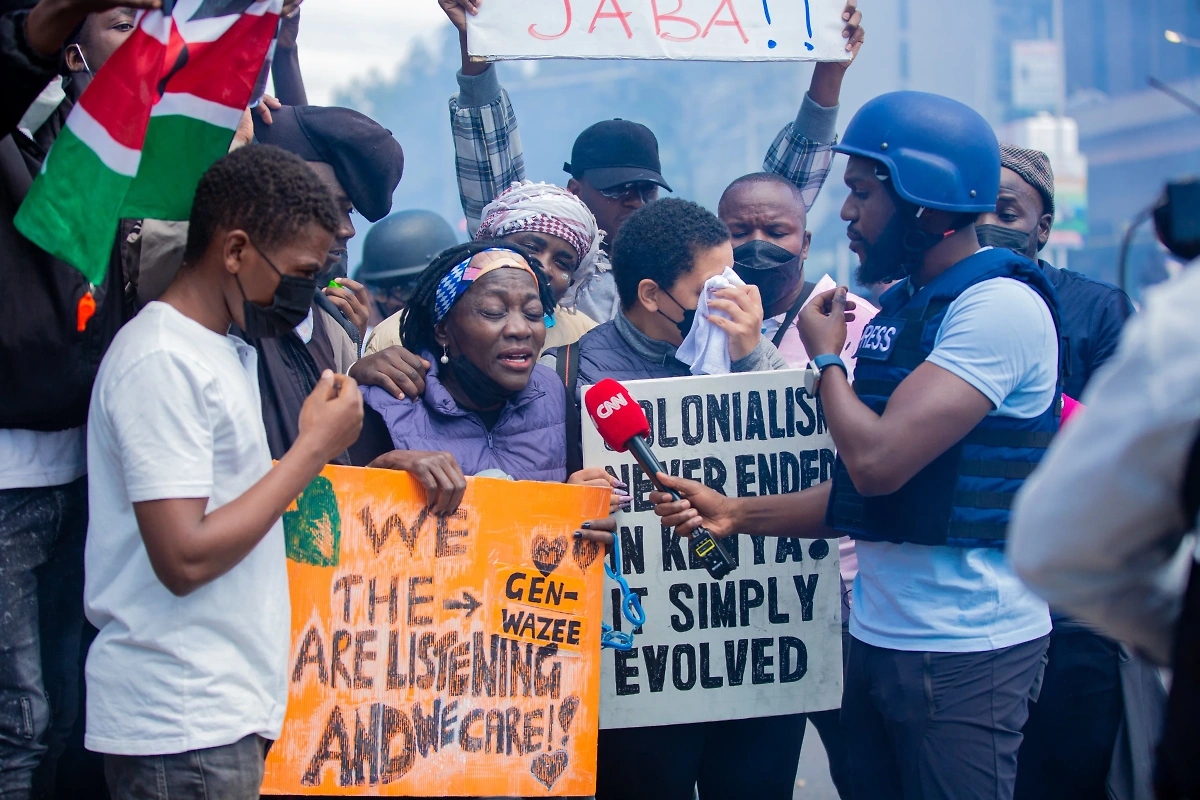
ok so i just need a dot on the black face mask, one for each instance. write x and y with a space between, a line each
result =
476 384
289 306
689 316
774 270
1003 238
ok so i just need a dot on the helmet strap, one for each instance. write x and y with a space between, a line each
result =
915 243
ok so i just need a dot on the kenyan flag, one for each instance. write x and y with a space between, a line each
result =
162 109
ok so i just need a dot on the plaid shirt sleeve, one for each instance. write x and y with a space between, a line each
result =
487 153
802 161
803 151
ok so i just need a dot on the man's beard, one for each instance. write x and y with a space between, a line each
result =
883 260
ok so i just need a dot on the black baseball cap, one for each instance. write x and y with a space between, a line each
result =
614 152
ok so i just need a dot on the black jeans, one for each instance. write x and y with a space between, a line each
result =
938 726
1072 728
230 772
41 603
754 759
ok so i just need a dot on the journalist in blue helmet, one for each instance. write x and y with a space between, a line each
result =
955 400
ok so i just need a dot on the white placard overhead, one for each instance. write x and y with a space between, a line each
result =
708 30
764 641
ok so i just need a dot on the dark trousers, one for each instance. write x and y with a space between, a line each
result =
231 772
833 736
754 759
41 604
928 726
1072 728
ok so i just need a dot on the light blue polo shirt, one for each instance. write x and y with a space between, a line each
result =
999 337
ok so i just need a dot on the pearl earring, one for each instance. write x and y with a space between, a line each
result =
445 359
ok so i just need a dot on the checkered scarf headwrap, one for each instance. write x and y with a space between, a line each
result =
1034 168
549 209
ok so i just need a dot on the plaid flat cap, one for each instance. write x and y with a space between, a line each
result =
1034 168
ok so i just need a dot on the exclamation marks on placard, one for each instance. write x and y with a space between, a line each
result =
767 13
771 43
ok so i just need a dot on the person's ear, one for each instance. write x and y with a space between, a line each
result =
804 249
1045 223
648 294
574 187
439 334
73 56
235 245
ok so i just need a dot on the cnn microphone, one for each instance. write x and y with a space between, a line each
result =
623 425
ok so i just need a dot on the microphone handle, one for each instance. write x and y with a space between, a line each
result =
706 547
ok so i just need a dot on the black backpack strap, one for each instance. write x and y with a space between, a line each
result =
566 364
805 292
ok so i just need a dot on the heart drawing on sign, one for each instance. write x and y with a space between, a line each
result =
584 552
549 767
548 553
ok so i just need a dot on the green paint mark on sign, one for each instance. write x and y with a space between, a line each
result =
314 530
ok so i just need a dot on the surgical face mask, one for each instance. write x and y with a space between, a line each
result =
774 270
689 317
1004 238
289 306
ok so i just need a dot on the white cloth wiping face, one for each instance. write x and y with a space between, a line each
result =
706 347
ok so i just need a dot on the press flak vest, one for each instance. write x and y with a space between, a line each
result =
963 498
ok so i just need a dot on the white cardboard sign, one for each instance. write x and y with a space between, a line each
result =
707 30
764 641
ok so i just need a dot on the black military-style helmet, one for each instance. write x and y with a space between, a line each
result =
401 246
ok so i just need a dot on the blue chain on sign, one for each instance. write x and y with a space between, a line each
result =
631 606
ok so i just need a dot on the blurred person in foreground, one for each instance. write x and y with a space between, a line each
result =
615 167
1105 528
1091 732
185 553
955 398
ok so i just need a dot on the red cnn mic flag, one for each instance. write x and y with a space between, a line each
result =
617 415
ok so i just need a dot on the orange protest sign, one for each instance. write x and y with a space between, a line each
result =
440 656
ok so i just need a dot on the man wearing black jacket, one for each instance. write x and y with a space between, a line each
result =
51 343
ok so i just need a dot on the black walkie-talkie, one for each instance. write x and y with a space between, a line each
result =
705 546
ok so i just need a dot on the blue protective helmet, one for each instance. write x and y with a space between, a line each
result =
941 153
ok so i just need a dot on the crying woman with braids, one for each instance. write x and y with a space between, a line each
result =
477 316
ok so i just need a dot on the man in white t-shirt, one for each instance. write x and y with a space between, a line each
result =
185 566
955 399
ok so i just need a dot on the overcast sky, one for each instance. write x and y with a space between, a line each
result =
341 40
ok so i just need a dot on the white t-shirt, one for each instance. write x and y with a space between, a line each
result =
176 413
999 337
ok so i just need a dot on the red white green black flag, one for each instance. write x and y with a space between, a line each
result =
162 109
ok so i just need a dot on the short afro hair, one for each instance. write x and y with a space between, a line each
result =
267 192
660 241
